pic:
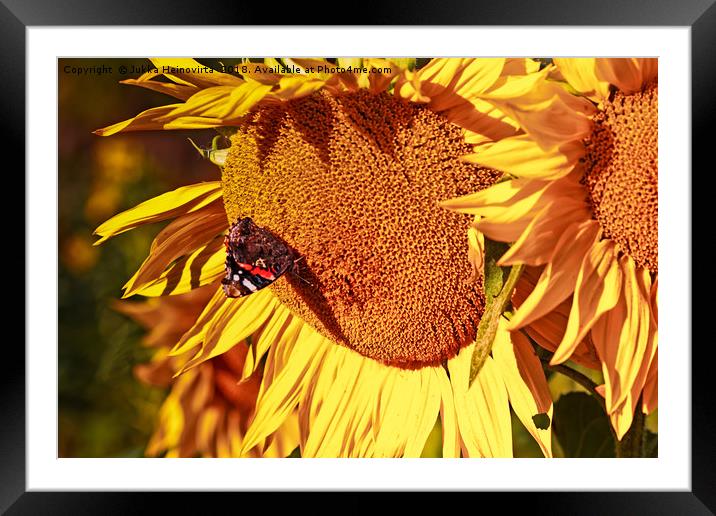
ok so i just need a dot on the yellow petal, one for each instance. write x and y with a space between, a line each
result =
380 74
450 82
559 277
206 428
281 393
581 73
295 87
548 331
481 121
225 103
598 290
183 236
179 91
410 422
622 416
284 440
628 74
170 426
475 252
326 425
483 411
523 157
455 87
655 300
202 267
515 194
195 334
234 322
525 381
187 71
145 121
355 407
448 416
508 208
271 332
186 199
520 66
513 86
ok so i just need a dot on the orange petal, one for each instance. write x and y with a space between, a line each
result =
559 278
598 289
651 386
623 340
628 74
552 117
536 244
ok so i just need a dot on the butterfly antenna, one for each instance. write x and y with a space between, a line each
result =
295 272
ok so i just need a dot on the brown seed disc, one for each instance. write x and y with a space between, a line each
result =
622 174
352 183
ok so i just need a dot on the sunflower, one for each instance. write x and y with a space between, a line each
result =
581 209
206 412
346 162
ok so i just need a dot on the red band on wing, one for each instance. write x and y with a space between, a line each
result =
257 271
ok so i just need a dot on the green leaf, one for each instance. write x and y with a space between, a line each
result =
494 274
498 286
581 426
541 421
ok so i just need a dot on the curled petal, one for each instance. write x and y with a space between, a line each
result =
598 290
559 278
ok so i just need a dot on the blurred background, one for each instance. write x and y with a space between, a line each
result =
103 410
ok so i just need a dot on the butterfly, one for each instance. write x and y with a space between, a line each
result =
255 258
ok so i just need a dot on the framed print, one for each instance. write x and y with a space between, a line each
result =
259 261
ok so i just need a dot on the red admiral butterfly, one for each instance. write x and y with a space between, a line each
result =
255 258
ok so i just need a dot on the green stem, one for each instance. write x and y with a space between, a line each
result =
575 375
632 444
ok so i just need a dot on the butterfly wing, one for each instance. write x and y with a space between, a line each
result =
255 258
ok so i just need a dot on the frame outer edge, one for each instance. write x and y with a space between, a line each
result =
12 379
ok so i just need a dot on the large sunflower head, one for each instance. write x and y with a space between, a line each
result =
583 207
347 162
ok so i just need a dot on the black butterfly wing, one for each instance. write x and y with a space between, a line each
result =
255 258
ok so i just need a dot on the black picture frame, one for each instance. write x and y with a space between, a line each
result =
16 15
